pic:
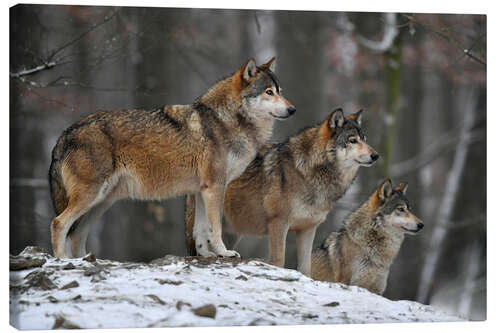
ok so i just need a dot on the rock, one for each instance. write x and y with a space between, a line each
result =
90 257
242 277
40 280
72 284
180 304
52 299
157 299
89 271
167 281
68 266
18 263
33 250
332 304
208 310
62 322
96 272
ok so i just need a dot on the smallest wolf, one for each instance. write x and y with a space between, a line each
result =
361 253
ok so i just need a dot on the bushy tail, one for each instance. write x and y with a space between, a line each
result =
57 190
189 223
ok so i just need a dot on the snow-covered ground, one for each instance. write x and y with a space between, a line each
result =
175 291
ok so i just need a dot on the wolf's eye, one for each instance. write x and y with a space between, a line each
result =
401 209
269 92
353 140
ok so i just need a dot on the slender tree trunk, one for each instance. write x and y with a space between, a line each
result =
448 202
473 265
393 68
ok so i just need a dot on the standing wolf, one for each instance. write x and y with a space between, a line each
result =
292 186
361 253
156 154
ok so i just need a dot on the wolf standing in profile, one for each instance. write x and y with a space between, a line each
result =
361 253
292 186
156 154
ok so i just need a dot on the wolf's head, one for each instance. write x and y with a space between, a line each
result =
393 209
260 91
345 141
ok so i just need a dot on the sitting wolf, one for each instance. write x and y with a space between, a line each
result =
361 253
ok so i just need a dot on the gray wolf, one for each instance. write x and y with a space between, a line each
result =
169 151
361 253
292 186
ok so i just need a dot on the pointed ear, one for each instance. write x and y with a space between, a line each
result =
271 64
336 119
384 190
248 70
402 187
357 117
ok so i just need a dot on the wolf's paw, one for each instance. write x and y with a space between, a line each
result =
204 252
229 254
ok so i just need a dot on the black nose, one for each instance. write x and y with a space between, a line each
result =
420 225
374 156
291 110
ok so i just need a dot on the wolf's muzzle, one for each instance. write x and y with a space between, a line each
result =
291 110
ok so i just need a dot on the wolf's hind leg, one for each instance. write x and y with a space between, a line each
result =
78 235
278 230
78 205
305 239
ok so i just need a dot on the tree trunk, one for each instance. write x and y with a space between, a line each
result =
448 202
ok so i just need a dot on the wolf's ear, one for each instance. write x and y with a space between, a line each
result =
357 117
249 69
384 191
336 119
402 187
271 64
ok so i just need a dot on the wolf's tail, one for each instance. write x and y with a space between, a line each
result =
189 216
57 190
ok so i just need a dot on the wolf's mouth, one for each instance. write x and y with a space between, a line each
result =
408 230
279 117
365 163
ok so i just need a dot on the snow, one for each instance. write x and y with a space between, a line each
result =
166 291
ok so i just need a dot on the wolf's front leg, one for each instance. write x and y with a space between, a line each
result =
305 239
213 198
201 229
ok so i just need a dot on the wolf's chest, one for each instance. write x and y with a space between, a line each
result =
239 157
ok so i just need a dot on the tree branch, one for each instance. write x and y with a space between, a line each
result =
447 36
50 62
83 34
390 33
45 66
446 142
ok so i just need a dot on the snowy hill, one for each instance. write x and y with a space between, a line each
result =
46 293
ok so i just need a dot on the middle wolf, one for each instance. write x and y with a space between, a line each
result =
293 185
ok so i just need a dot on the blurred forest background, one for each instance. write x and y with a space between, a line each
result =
421 79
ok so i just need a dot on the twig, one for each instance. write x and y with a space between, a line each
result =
83 34
443 144
448 37
46 65
50 62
